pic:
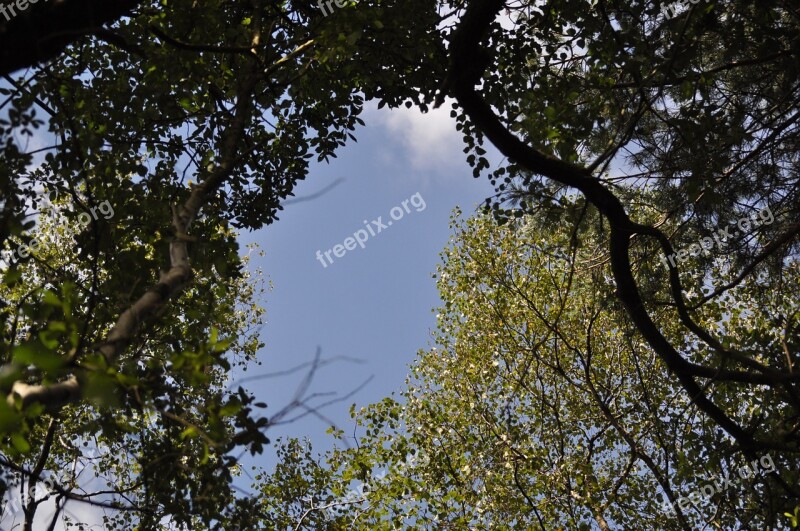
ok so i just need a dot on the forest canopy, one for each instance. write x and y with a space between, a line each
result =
619 323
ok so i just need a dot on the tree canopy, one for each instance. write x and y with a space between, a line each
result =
179 124
641 329
541 407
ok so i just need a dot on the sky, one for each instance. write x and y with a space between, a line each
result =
373 305
373 308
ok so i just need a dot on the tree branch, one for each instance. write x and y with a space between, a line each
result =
172 282
465 53
43 31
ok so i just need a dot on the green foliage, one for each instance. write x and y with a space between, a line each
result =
794 518
140 115
695 114
541 407
571 419
167 398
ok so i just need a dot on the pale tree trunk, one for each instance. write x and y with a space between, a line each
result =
179 274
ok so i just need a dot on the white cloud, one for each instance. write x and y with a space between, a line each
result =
428 141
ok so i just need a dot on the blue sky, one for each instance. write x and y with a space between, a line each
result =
374 304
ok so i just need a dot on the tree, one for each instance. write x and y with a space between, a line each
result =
154 434
190 123
684 108
668 123
541 407
41 32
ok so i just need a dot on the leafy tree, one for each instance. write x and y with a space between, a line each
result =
190 122
668 125
152 437
40 32
541 407
694 115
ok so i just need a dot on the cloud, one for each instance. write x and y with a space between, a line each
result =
428 141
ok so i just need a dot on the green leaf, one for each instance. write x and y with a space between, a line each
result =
48 340
230 409
186 103
37 354
222 346
189 432
11 276
206 454
101 390
50 297
20 443
10 418
57 326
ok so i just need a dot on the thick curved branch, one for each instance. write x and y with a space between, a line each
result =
44 30
467 63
